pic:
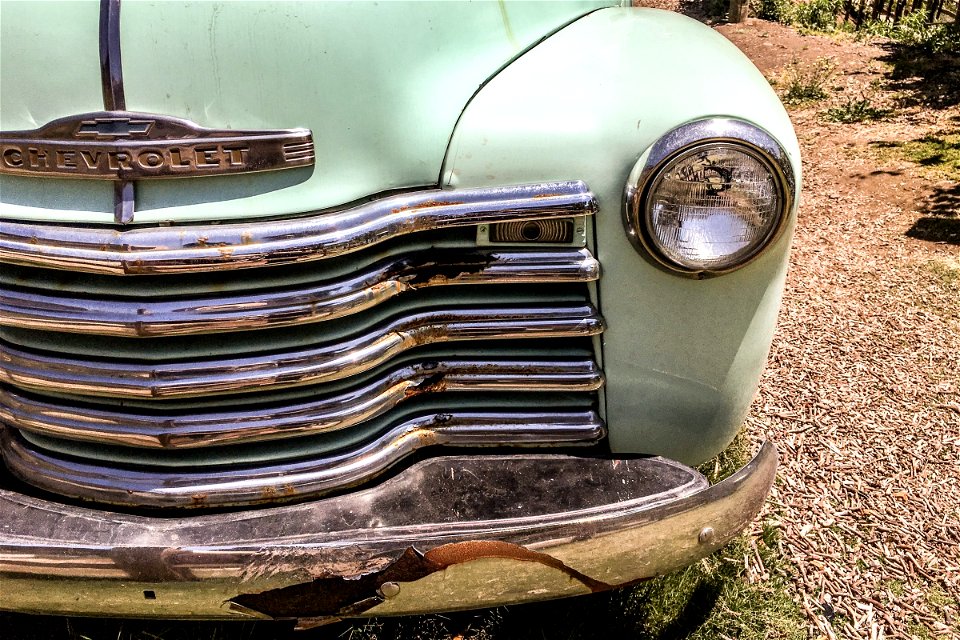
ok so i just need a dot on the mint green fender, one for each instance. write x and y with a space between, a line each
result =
682 357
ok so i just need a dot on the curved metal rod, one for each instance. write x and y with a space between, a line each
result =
193 248
293 480
185 430
28 370
206 314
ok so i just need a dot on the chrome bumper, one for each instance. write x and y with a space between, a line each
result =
447 533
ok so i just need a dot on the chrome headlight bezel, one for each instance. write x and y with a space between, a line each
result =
687 138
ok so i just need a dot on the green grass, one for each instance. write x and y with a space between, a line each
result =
856 110
947 275
938 154
804 83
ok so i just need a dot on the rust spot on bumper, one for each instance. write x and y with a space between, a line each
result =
335 596
428 204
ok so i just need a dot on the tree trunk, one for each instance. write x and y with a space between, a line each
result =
877 8
898 10
934 7
888 11
738 10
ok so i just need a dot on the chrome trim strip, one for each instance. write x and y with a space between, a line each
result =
614 521
190 429
293 480
111 81
270 371
330 300
111 69
158 250
124 201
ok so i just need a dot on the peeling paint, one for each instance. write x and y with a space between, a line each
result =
329 597
336 595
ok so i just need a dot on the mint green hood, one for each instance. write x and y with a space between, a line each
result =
381 85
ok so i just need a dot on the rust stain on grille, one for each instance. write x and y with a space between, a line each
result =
427 204
432 384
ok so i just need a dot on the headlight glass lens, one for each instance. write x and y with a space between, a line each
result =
713 207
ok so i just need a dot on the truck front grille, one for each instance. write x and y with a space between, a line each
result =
239 364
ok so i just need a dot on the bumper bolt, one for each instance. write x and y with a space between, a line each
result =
389 589
706 535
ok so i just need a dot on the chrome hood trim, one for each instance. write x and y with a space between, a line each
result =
316 303
336 361
292 480
187 429
197 248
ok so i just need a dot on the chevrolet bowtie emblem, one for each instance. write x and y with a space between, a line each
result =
122 145
114 127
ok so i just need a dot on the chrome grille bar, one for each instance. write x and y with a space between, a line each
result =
182 249
190 429
29 370
138 318
292 480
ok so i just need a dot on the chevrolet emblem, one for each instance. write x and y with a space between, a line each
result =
114 127
124 145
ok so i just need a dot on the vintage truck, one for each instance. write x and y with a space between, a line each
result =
350 309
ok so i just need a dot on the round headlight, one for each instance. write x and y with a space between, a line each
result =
710 205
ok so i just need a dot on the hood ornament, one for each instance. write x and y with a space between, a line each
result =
124 146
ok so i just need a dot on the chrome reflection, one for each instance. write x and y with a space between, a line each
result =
194 248
328 301
296 479
261 372
190 429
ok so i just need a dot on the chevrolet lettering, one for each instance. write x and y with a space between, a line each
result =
120 145
467 350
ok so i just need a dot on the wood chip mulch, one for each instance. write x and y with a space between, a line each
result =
862 391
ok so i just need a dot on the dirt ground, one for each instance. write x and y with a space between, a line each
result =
862 391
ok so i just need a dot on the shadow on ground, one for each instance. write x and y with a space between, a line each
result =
605 615
940 216
924 77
